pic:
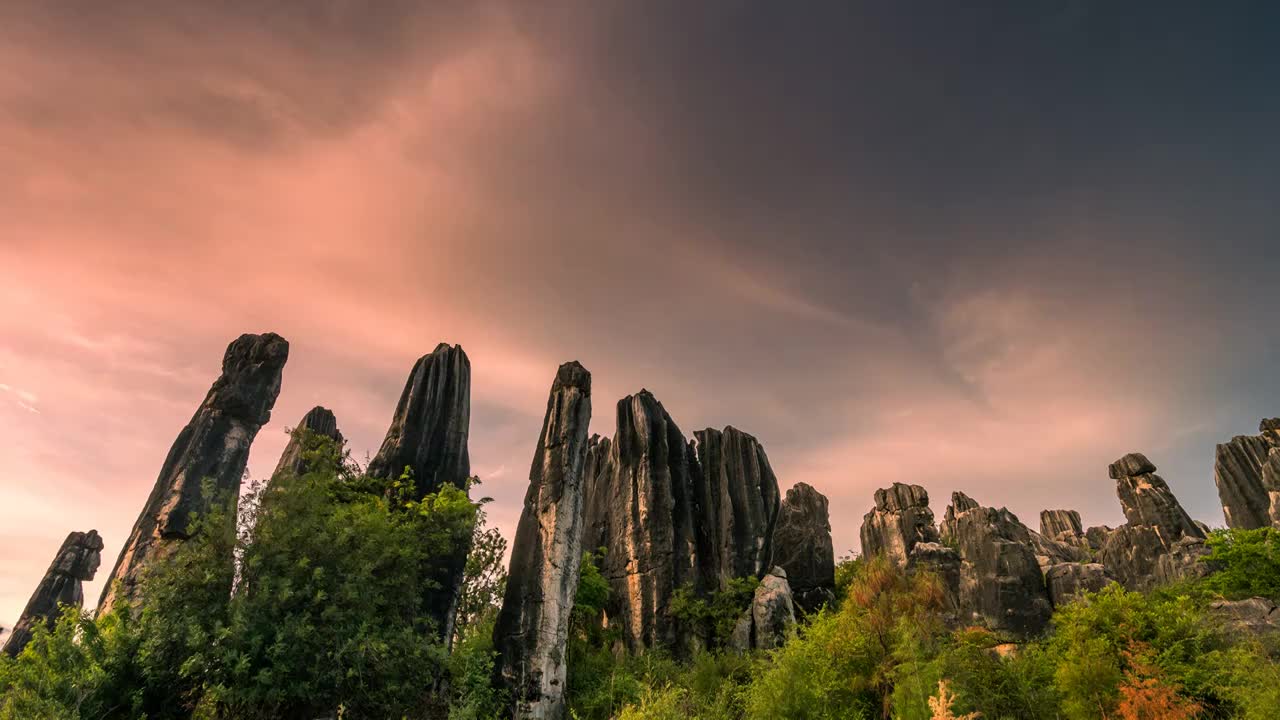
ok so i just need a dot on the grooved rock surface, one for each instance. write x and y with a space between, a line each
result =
1237 471
1067 581
740 502
900 519
641 501
319 421
429 430
803 549
771 618
533 626
1096 536
1061 525
1255 615
428 435
1001 585
213 446
77 561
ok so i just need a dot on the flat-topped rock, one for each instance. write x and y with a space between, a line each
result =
741 502
803 547
1147 500
1057 524
900 519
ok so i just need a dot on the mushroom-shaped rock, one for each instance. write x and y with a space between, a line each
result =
533 626
1147 500
213 447
77 561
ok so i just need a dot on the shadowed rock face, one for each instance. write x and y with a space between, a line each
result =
740 504
1247 488
1159 543
428 435
1001 585
803 549
213 446
319 421
641 502
533 625
77 561
598 479
944 562
900 519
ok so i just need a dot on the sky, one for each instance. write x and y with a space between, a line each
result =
978 246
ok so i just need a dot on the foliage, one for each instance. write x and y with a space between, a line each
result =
1247 563
484 578
941 708
714 615
471 670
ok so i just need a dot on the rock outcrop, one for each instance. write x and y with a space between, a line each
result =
740 502
944 562
77 561
1001 585
428 436
318 421
900 519
1160 543
802 547
1067 581
429 430
1249 494
533 626
641 503
1256 615
214 446
771 619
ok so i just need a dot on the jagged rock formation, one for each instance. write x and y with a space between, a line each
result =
533 625
803 549
770 620
641 505
1001 585
318 421
1096 536
1248 492
77 561
598 474
428 435
213 446
900 519
740 502
1067 581
1159 543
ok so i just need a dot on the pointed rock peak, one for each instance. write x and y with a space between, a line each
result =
961 503
318 421
1130 465
77 561
572 374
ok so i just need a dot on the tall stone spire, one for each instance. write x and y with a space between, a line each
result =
77 561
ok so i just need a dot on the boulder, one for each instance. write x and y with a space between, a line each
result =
532 629
740 502
900 519
77 561
1160 543
319 422
213 447
1001 585
1067 581
803 548
771 619
428 436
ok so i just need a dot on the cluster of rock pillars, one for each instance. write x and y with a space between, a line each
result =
669 512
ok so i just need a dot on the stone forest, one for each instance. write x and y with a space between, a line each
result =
653 574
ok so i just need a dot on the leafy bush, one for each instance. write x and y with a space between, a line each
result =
1247 563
